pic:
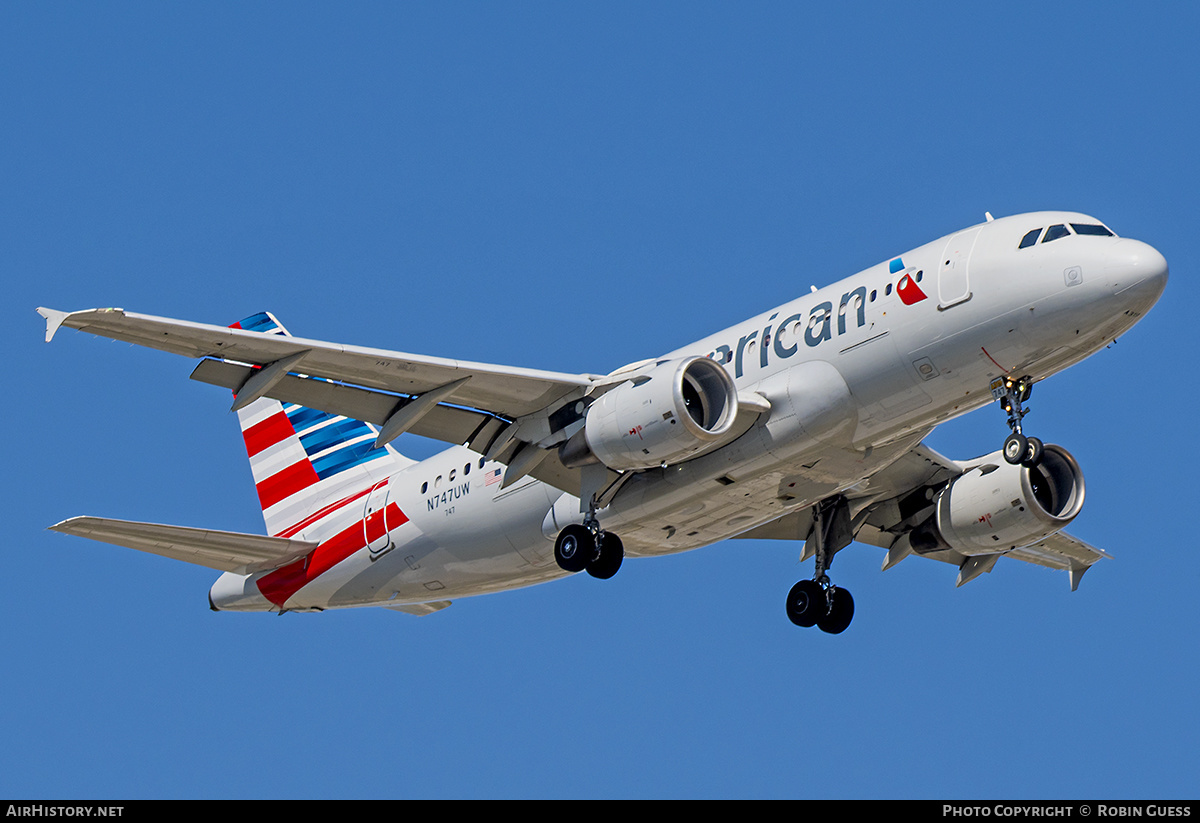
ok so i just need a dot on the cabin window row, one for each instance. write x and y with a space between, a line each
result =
437 483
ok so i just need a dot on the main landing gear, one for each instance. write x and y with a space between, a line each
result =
1018 449
818 602
586 546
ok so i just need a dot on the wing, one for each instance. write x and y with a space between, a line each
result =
226 551
506 391
517 416
901 496
509 414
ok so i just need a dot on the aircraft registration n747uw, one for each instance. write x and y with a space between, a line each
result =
804 423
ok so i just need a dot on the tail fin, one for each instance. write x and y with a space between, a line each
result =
303 459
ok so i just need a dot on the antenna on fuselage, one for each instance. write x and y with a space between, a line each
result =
988 215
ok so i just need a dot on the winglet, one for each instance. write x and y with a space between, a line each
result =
54 319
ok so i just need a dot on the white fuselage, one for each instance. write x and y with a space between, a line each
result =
856 374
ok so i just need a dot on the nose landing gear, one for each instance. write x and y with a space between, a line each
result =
1018 449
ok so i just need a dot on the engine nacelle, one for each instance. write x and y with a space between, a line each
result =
664 415
997 506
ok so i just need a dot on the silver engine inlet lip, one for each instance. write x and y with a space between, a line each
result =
701 380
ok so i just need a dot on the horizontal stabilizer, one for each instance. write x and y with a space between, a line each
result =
226 551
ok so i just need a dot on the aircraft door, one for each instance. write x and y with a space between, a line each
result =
954 285
375 520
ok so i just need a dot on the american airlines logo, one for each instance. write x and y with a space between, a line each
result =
907 289
818 324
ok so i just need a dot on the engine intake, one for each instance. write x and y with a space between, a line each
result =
664 415
997 506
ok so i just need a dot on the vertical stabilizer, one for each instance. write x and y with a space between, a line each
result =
304 459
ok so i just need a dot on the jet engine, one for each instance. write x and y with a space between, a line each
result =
996 506
664 415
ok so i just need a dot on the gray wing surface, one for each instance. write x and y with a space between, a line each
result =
469 403
502 390
900 496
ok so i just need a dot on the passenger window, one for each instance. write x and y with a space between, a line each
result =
1029 239
1088 228
424 487
1054 232
466 469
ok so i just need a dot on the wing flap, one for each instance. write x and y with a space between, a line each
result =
225 551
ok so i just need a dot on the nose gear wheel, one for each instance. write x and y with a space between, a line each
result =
1018 449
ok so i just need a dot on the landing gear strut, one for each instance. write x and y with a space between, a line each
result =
587 546
1018 449
818 602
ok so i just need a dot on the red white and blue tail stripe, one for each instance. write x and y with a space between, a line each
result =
303 459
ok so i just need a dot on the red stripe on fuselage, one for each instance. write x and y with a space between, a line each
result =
313 518
284 484
266 433
279 586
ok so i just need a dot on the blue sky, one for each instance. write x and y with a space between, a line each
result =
575 187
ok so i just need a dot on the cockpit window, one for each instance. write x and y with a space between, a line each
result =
1090 228
1054 232
1029 239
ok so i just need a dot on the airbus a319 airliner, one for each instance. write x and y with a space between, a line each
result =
804 423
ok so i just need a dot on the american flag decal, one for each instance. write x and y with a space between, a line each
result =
492 477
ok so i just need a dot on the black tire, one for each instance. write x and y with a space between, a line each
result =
608 558
574 548
806 603
1033 452
1016 446
841 612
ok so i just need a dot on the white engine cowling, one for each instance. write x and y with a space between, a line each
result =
997 506
664 415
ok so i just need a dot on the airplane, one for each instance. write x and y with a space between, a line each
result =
804 423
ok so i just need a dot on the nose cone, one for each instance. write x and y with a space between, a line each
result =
236 592
1137 271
